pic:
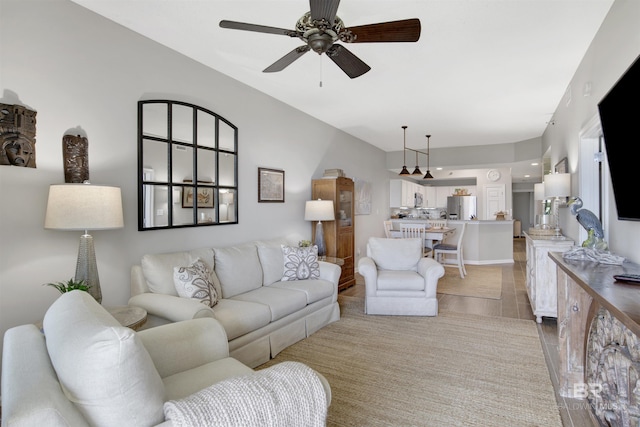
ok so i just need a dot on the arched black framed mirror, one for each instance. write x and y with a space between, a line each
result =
187 166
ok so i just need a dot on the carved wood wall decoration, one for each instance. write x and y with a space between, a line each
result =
613 371
17 136
75 153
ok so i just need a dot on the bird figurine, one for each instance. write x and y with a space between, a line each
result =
590 222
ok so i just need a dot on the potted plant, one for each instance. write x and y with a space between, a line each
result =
70 285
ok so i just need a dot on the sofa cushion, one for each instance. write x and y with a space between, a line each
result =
158 268
271 260
241 317
194 281
395 254
281 302
102 366
315 290
238 268
300 263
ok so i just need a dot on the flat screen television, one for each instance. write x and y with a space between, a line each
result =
620 118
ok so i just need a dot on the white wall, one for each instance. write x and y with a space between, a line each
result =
614 48
77 69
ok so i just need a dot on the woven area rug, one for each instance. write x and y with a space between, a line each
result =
482 281
449 370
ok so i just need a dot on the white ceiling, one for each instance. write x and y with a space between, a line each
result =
483 72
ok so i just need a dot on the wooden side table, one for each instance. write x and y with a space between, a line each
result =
129 316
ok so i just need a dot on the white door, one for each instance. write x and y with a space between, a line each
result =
494 200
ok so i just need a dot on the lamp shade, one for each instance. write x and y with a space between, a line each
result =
83 207
227 198
538 191
319 210
557 185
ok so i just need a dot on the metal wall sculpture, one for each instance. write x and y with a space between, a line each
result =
17 136
75 153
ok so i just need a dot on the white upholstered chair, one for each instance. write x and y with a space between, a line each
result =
416 231
398 279
450 255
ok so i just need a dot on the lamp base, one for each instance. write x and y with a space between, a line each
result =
86 267
319 240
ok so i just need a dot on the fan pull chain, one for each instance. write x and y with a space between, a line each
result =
320 56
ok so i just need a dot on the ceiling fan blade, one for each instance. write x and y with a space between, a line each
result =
347 61
257 28
326 9
406 30
287 60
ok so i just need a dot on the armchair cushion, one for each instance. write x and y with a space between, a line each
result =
395 254
103 367
393 280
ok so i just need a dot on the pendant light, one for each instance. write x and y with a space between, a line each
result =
417 170
404 170
428 174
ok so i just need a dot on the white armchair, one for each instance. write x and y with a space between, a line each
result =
398 279
86 369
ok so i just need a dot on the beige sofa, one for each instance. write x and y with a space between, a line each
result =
261 314
85 369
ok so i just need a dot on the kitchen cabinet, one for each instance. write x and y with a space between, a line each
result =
441 196
429 197
402 193
541 282
339 235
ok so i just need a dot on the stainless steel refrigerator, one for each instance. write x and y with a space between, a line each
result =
461 207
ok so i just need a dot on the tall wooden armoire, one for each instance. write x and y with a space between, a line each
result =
339 235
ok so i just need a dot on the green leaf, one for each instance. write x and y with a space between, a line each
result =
69 286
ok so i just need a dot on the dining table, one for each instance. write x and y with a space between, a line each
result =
433 235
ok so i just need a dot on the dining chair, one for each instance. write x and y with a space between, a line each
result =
412 231
388 226
444 253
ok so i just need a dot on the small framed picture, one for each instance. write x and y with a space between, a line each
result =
562 166
270 185
204 197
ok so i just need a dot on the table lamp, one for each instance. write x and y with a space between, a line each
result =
227 199
542 220
557 186
85 207
319 210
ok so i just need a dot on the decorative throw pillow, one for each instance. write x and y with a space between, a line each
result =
194 282
300 263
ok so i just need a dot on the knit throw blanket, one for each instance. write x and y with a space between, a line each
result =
287 394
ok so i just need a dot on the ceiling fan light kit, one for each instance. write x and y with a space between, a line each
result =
320 29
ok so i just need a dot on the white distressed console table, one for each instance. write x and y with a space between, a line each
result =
598 330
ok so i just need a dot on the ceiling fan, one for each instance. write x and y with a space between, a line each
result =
320 28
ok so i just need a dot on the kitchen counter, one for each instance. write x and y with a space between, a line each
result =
484 242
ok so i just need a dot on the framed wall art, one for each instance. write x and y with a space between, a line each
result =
270 185
204 197
562 166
